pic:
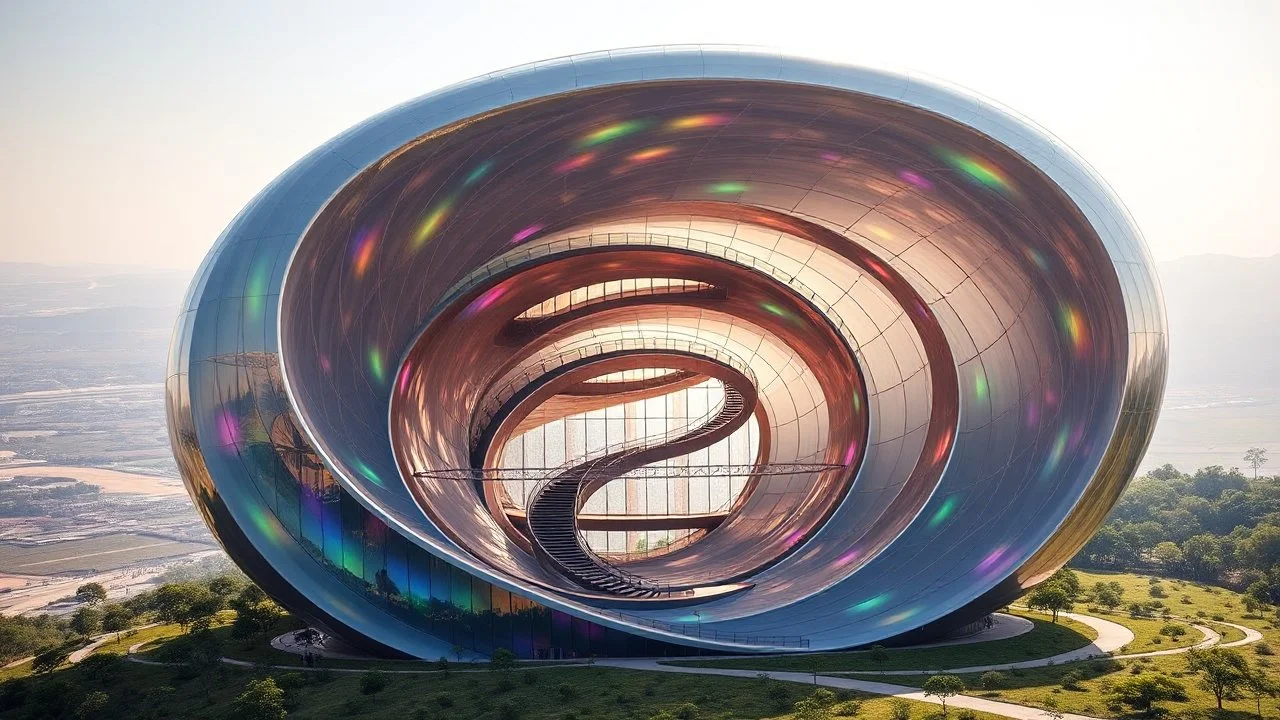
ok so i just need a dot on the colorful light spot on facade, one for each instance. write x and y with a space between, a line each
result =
879 232
830 156
727 188
899 616
432 222
915 179
980 389
1073 325
944 445
525 234
477 173
609 133
1056 453
871 603
851 453
376 366
367 471
325 364
977 170
652 153
992 560
362 250
405 372
944 511
848 557
228 428
577 162
773 309
486 299
267 524
692 122
1036 257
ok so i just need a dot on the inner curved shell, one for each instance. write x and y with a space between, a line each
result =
880 274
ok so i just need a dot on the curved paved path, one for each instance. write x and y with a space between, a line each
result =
1020 712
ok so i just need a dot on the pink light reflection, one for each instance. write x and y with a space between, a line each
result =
525 234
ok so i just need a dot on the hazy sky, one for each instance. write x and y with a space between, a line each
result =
132 132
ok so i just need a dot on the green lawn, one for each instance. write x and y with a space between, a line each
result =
1046 640
568 693
1034 686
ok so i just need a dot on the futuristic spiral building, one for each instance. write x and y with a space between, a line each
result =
664 351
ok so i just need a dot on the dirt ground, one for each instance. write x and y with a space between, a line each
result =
110 481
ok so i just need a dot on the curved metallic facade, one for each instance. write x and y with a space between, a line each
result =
928 341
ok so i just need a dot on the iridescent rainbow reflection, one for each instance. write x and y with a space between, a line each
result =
612 132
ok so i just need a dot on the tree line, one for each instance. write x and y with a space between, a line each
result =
1215 526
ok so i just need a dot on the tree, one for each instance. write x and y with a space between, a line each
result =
116 618
1223 671
261 700
943 687
1260 685
91 593
1109 595
86 621
373 682
502 659
1050 597
1066 579
1141 691
256 613
1260 591
879 655
185 603
1256 457
49 659
1167 554
1173 630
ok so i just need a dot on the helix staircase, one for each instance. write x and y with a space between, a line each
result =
552 509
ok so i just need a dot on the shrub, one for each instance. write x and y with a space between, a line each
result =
529 678
1218 618
848 708
1263 649
1157 591
1201 613
687 711
1186 599
991 680
373 682
780 695
444 700
566 692
502 659
508 711
966 714
1072 680
505 684
899 709
1173 630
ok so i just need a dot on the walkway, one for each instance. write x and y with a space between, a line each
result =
1019 712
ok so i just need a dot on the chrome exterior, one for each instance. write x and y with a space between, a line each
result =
996 301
